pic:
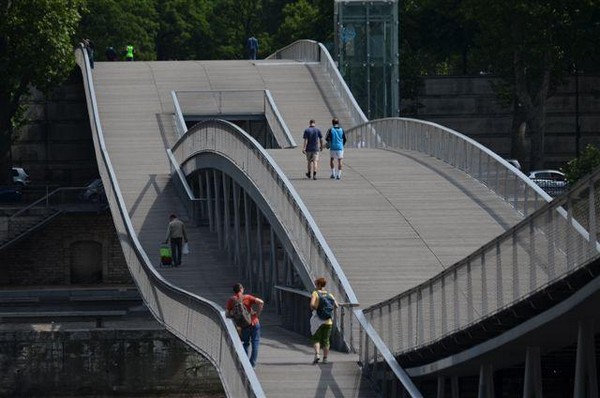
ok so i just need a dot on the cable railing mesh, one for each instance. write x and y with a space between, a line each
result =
550 244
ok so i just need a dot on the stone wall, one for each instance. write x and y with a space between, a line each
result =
77 248
470 106
97 362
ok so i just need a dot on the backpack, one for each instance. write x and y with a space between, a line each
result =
240 314
326 304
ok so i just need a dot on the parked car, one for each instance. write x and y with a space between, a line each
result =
551 181
94 191
10 194
20 176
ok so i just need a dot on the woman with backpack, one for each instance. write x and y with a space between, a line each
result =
322 304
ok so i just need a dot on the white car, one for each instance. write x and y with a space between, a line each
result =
20 177
551 181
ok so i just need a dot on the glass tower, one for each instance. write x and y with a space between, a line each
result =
366 48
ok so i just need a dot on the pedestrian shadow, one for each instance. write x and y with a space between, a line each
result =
327 382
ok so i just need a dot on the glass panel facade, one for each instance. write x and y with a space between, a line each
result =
366 49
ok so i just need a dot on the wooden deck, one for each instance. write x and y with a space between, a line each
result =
392 221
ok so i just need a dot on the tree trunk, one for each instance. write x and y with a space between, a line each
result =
518 142
5 142
537 134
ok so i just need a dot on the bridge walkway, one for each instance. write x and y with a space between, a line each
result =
394 220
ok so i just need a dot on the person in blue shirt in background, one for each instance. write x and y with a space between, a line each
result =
336 138
252 46
313 144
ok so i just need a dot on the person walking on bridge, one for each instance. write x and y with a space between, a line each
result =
336 138
313 144
322 304
245 309
129 53
177 235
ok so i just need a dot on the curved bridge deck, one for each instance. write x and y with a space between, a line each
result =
394 220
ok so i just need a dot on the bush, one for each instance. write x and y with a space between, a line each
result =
583 165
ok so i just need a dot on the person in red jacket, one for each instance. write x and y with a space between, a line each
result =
251 333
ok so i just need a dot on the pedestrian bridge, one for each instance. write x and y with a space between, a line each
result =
426 234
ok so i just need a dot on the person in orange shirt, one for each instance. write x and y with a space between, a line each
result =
250 334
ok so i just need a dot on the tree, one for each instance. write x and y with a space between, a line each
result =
36 49
527 44
588 161
118 23
184 30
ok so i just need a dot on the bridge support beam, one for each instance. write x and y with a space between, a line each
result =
532 386
586 381
454 387
210 201
441 386
486 381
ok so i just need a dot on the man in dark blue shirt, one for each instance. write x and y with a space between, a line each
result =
313 145
252 46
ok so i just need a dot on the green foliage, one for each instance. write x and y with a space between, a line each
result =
118 23
579 167
184 30
36 48
36 44
298 21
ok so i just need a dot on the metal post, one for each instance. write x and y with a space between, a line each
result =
486 381
586 382
210 198
236 223
532 386
218 212
441 386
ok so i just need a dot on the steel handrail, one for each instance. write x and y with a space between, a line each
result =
244 382
547 242
205 135
313 51
283 134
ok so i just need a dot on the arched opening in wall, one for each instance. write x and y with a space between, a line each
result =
86 262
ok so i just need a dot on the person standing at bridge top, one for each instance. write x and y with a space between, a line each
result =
177 235
245 309
252 47
322 304
313 144
129 52
336 138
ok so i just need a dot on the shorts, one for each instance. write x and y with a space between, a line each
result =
336 154
323 336
312 156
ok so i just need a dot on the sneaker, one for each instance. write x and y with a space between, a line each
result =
325 360
332 176
307 174
316 360
338 178
314 177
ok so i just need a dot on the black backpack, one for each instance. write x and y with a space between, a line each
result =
326 305
240 314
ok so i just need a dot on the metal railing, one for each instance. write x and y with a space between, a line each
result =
547 246
231 102
197 321
312 51
228 140
40 212
455 149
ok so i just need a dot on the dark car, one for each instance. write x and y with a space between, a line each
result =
94 192
10 194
